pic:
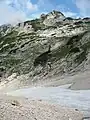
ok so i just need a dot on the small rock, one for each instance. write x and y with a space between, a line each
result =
15 103
76 110
86 118
70 119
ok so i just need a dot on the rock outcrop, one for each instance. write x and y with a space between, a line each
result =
23 44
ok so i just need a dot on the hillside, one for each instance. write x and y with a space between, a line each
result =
41 49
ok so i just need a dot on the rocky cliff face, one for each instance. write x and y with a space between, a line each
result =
46 47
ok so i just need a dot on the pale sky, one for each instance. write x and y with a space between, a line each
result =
14 11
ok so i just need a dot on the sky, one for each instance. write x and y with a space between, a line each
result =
14 11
